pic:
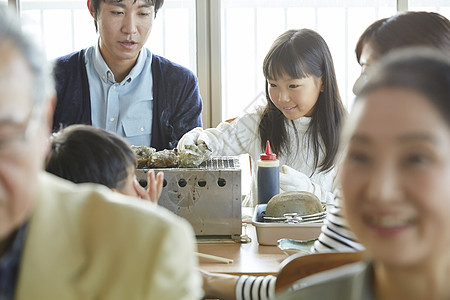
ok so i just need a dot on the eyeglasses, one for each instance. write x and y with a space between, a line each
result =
13 135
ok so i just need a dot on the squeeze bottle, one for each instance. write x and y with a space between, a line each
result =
268 176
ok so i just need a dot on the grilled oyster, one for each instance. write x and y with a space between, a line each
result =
189 159
163 159
143 154
192 156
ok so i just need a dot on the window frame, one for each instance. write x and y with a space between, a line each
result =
208 43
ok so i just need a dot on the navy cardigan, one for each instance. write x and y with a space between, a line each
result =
177 105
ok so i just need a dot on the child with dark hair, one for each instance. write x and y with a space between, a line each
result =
301 119
82 153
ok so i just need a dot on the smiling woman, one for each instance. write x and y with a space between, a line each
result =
394 177
397 165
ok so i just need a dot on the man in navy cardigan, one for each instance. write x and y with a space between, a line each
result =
120 86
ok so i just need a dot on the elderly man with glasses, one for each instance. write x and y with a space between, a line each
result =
59 240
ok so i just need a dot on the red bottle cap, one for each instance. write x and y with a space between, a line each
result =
268 155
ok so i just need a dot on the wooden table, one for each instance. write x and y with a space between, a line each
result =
249 258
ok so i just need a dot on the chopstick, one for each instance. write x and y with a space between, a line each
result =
213 257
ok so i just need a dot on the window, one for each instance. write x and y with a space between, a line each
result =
439 6
61 27
225 41
65 26
250 26
174 33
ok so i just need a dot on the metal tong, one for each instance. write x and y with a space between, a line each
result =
295 218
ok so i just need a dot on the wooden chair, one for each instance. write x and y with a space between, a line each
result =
299 265
230 120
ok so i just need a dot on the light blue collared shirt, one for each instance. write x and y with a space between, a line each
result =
122 107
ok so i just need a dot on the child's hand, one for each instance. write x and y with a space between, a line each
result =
154 187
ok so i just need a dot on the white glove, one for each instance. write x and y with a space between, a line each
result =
190 139
293 180
193 143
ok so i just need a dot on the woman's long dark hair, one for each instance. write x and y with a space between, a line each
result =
420 69
406 29
299 54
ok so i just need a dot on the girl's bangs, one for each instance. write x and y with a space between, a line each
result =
285 62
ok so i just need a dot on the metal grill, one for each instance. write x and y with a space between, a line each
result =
221 163
209 196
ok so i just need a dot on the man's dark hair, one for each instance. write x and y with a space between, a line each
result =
96 3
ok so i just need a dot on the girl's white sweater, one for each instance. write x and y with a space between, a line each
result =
242 136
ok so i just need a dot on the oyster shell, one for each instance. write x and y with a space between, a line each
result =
143 154
163 159
189 159
192 156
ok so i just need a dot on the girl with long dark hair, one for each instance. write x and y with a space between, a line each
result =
301 118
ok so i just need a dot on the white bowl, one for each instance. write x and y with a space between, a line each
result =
268 233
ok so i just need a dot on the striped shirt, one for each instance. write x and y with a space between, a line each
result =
335 236
255 287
